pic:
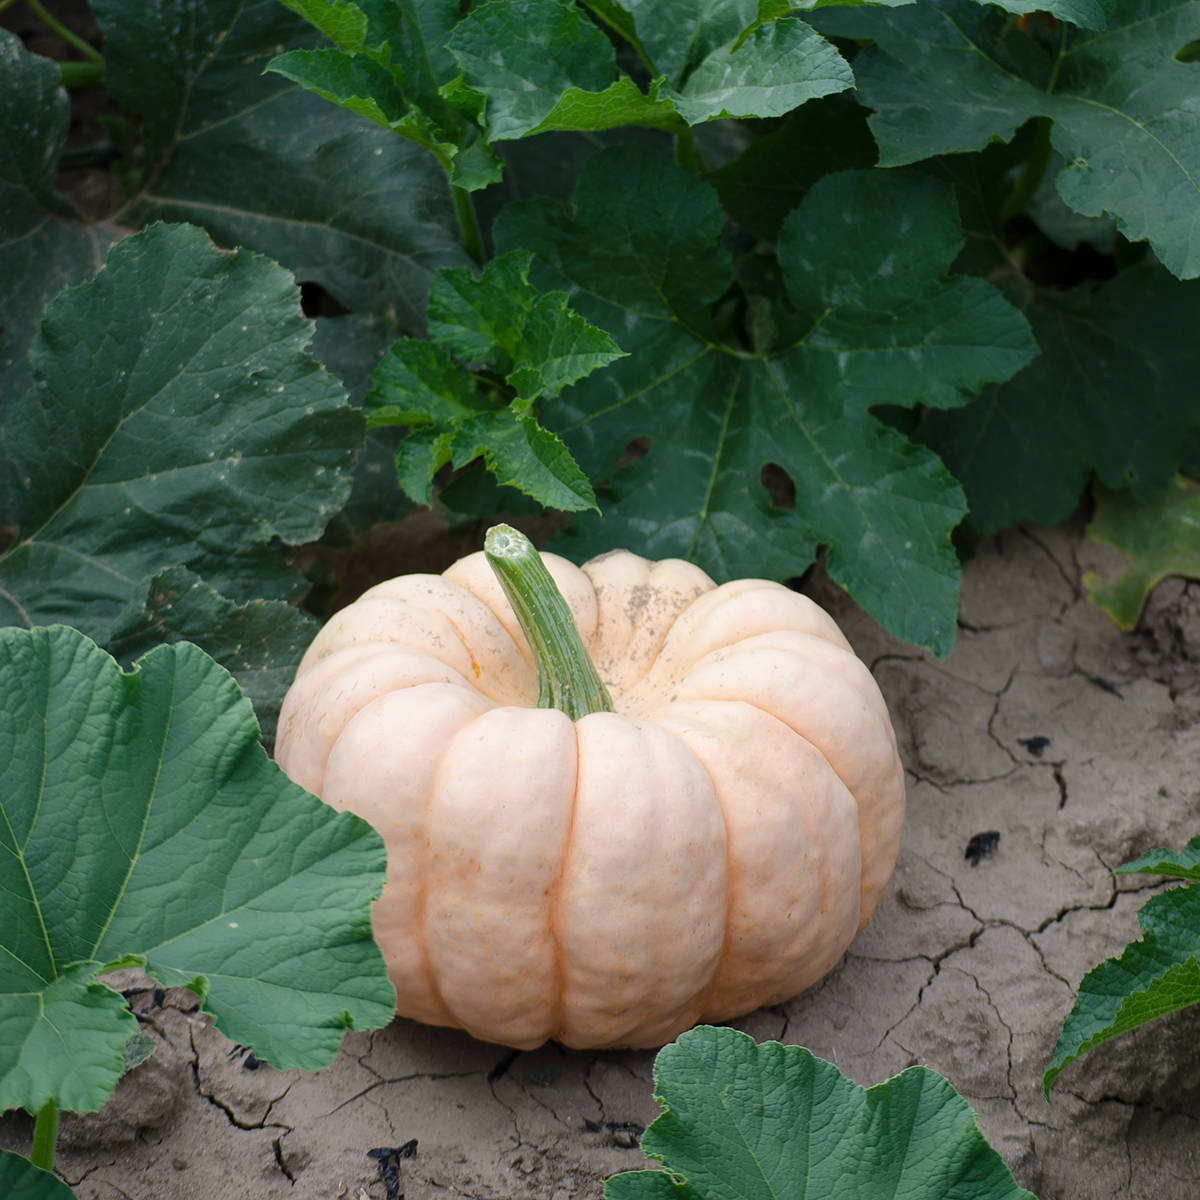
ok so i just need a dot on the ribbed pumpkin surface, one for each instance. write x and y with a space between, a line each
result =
711 846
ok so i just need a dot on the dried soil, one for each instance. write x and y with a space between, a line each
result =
1076 743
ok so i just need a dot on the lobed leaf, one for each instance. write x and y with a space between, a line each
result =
1025 449
749 1122
144 824
178 421
263 165
875 321
1126 122
259 642
1157 975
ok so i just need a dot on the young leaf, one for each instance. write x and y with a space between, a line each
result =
531 339
745 1122
1160 537
775 69
260 643
1123 106
1157 975
143 823
21 1180
502 319
864 261
176 420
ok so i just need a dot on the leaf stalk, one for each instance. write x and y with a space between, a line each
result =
468 224
1032 173
71 38
45 1136
567 677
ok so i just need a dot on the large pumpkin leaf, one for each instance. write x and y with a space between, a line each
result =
1126 119
142 823
876 320
753 1122
176 420
1025 448
1157 975
260 642
21 1180
261 163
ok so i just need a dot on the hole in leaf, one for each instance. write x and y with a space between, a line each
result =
639 447
315 301
779 486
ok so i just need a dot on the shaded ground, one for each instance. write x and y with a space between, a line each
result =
1079 745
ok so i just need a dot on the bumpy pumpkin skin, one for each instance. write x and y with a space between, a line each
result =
711 846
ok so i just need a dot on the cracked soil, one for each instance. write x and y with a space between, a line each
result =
1079 745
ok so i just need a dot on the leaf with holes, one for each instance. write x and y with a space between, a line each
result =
124 797
875 318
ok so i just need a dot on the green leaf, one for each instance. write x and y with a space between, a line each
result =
144 824
42 248
876 321
344 23
419 384
1159 537
1176 864
1123 106
764 183
523 54
21 1180
501 318
1024 450
776 69
262 164
260 643
1157 975
521 454
176 420
352 80
749 1122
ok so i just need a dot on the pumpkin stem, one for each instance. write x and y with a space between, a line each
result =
567 678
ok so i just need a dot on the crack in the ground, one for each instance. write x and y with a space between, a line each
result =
384 1081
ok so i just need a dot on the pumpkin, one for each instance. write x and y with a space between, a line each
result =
613 808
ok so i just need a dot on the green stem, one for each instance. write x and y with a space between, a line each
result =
82 74
1032 173
45 1136
52 22
468 224
567 678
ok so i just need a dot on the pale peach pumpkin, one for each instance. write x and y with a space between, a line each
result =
711 846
